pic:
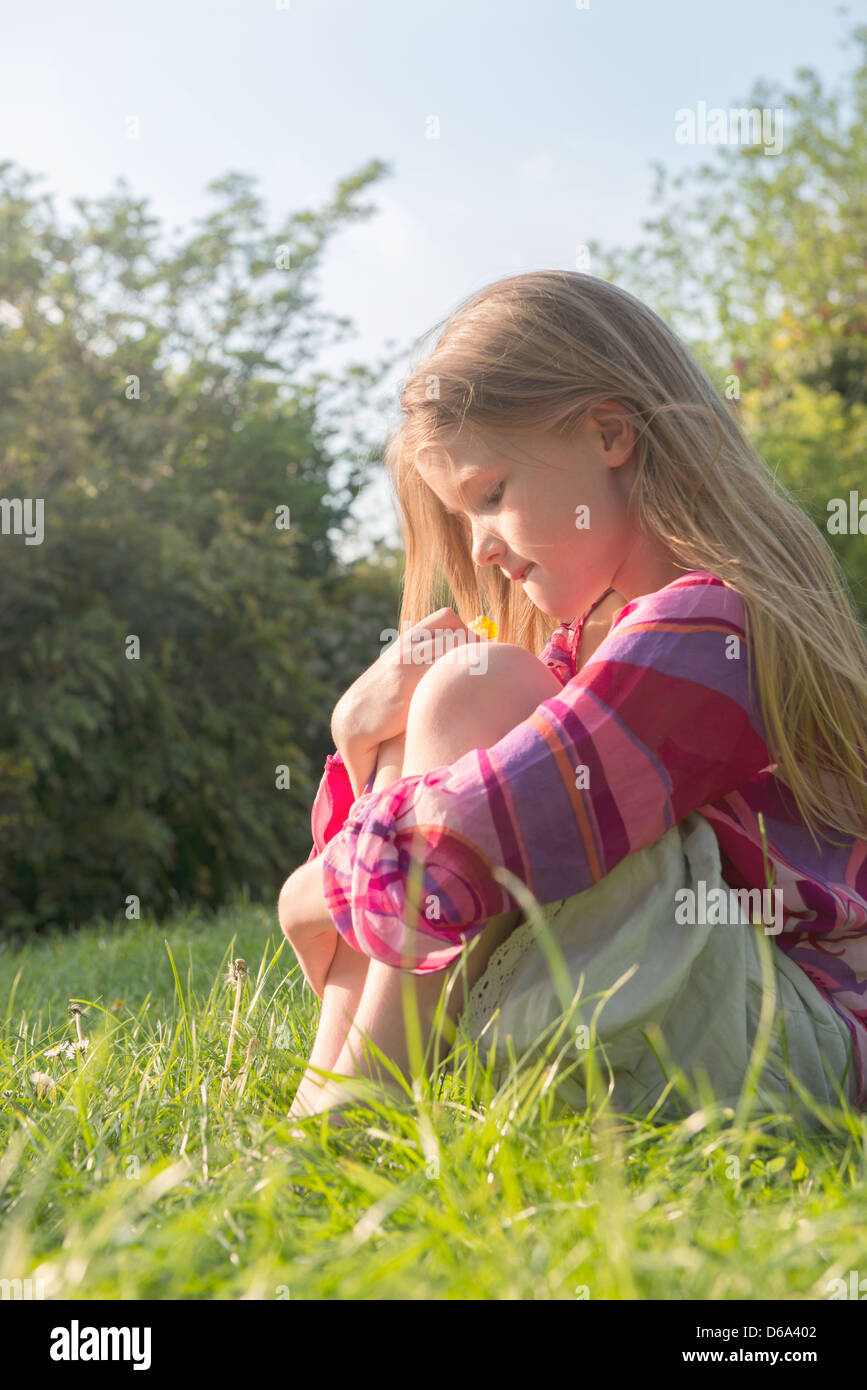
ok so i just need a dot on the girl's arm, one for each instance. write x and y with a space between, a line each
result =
375 708
659 722
386 759
359 757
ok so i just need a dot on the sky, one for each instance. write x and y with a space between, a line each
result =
516 132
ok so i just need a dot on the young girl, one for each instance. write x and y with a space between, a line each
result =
562 453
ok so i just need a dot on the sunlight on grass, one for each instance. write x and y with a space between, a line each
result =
124 1175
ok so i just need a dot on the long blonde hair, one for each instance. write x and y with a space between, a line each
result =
537 351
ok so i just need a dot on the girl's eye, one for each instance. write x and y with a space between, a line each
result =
495 496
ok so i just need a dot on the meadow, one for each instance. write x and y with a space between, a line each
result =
131 1169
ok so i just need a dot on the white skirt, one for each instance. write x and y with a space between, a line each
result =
641 998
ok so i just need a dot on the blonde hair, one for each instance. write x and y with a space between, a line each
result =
537 351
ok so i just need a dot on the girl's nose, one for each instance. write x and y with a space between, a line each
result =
485 546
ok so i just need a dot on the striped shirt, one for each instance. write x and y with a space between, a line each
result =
660 722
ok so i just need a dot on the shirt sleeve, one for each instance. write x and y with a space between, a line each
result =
659 722
332 803
558 653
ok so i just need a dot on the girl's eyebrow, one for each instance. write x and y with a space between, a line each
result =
472 476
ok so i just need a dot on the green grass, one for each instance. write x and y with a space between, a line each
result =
132 1180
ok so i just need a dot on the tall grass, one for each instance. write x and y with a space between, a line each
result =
126 1176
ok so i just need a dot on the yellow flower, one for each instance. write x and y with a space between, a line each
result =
483 626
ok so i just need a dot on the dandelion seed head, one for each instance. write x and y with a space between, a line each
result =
236 971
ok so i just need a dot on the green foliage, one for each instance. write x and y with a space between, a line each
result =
153 398
152 394
759 262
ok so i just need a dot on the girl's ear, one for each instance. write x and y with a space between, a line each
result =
615 431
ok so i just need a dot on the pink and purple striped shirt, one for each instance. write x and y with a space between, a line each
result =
659 722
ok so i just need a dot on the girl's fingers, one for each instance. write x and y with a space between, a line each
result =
427 650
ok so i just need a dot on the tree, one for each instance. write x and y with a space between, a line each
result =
183 629
760 262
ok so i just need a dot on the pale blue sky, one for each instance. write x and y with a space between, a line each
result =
550 117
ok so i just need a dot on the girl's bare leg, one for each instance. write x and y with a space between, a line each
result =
453 716
345 981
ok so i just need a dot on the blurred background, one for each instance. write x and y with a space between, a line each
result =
227 231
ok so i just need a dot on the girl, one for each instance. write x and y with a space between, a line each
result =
561 452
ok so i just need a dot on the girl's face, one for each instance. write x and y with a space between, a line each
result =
559 507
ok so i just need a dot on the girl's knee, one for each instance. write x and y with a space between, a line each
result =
476 698
284 909
503 670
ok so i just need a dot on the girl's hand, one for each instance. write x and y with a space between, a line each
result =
376 707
